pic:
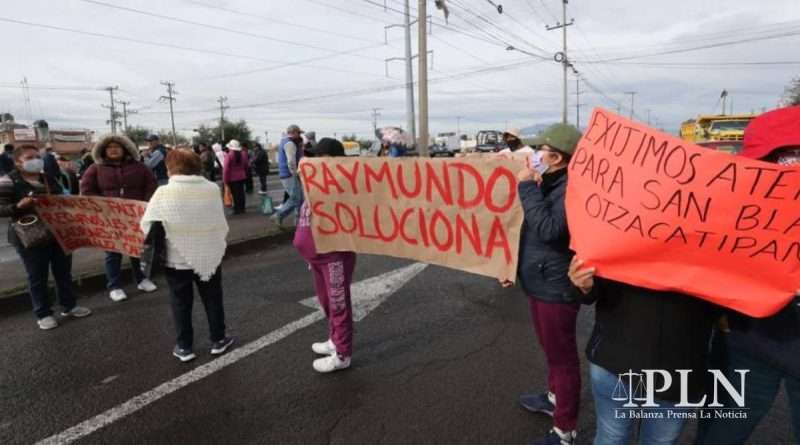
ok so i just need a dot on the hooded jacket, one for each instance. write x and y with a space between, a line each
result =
130 179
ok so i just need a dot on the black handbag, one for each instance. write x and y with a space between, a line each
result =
153 250
31 231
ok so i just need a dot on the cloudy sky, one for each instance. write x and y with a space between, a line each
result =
320 63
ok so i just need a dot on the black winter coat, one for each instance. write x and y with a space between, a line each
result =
544 253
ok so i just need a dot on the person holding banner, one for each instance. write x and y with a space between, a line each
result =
333 275
195 231
543 262
770 347
18 191
118 173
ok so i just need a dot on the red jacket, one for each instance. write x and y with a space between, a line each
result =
129 180
233 171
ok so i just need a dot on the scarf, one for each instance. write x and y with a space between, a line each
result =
190 208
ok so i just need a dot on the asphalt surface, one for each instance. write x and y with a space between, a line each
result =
442 361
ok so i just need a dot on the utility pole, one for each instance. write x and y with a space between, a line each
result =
375 115
648 117
112 109
125 113
578 102
632 94
410 115
458 126
222 107
422 28
562 57
171 98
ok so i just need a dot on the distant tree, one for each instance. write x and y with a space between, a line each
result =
138 134
233 130
793 92
166 138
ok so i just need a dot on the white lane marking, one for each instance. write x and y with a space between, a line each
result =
366 296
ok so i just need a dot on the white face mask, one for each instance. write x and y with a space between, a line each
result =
33 165
789 157
538 163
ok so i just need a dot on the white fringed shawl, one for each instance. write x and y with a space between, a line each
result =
190 208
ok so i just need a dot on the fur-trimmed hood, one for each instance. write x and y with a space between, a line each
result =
126 143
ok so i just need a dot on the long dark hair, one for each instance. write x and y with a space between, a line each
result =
237 157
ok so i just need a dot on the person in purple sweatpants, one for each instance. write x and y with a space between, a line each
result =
333 275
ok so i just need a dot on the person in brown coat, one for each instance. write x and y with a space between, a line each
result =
119 173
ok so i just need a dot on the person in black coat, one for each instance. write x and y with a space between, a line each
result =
260 163
7 160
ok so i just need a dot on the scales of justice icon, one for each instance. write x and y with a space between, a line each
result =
633 391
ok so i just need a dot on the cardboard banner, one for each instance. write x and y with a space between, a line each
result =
91 221
652 210
461 213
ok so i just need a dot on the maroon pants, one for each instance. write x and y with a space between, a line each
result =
555 325
332 282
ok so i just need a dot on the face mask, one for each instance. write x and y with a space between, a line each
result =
538 163
513 144
789 157
33 165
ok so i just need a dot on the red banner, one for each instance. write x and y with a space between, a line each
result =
652 210
91 221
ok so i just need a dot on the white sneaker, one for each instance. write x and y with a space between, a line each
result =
118 295
147 286
331 363
324 348
77 312
47 323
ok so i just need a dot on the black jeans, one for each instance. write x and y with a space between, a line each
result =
237 190
248 185
37 261
181 292
263 180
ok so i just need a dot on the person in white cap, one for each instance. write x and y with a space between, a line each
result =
234 174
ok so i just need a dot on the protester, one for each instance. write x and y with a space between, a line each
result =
86 161
155 159
289 154
208 159
544 259
68 176
637 328
395 142
770 347
333 275
195 231
309 142
18 192
7 160
234 174
51 168
219 152
118 173
249 187
261 167
513 139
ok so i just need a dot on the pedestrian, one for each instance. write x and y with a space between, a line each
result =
51 168
18 191
637 328
209 160
7 160
234 174
769 347
395 142
249 188
219 152
544 258
86 161
309 141
513 140
289 155
333 275
68 176
195 232
261 167
118 173
155 159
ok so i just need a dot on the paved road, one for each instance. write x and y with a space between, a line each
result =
441 361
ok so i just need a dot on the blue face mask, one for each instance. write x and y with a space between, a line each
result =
538 163
33 165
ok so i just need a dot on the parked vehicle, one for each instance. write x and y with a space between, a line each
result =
437 150
716 128
489 141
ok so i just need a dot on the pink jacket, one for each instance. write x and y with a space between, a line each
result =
233 171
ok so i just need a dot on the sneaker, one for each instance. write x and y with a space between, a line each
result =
118 295
219 347
147 286
538 403
77 312
556 437
184 355
47 323
331 363
324 348
261 192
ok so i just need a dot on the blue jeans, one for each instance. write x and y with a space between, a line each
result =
295 191
37 261
114 270
615 425
763 383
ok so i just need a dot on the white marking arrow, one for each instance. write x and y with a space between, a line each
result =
366 296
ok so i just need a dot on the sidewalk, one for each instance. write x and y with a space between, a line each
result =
89 263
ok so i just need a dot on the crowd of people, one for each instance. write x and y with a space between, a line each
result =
635 328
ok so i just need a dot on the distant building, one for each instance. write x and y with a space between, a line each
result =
63 141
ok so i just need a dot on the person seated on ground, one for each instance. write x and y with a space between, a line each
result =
195 232
18 192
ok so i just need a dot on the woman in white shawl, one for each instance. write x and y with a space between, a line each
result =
190 209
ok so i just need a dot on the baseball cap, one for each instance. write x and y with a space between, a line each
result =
562 137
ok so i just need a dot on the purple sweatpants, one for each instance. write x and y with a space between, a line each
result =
555 325
332 282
